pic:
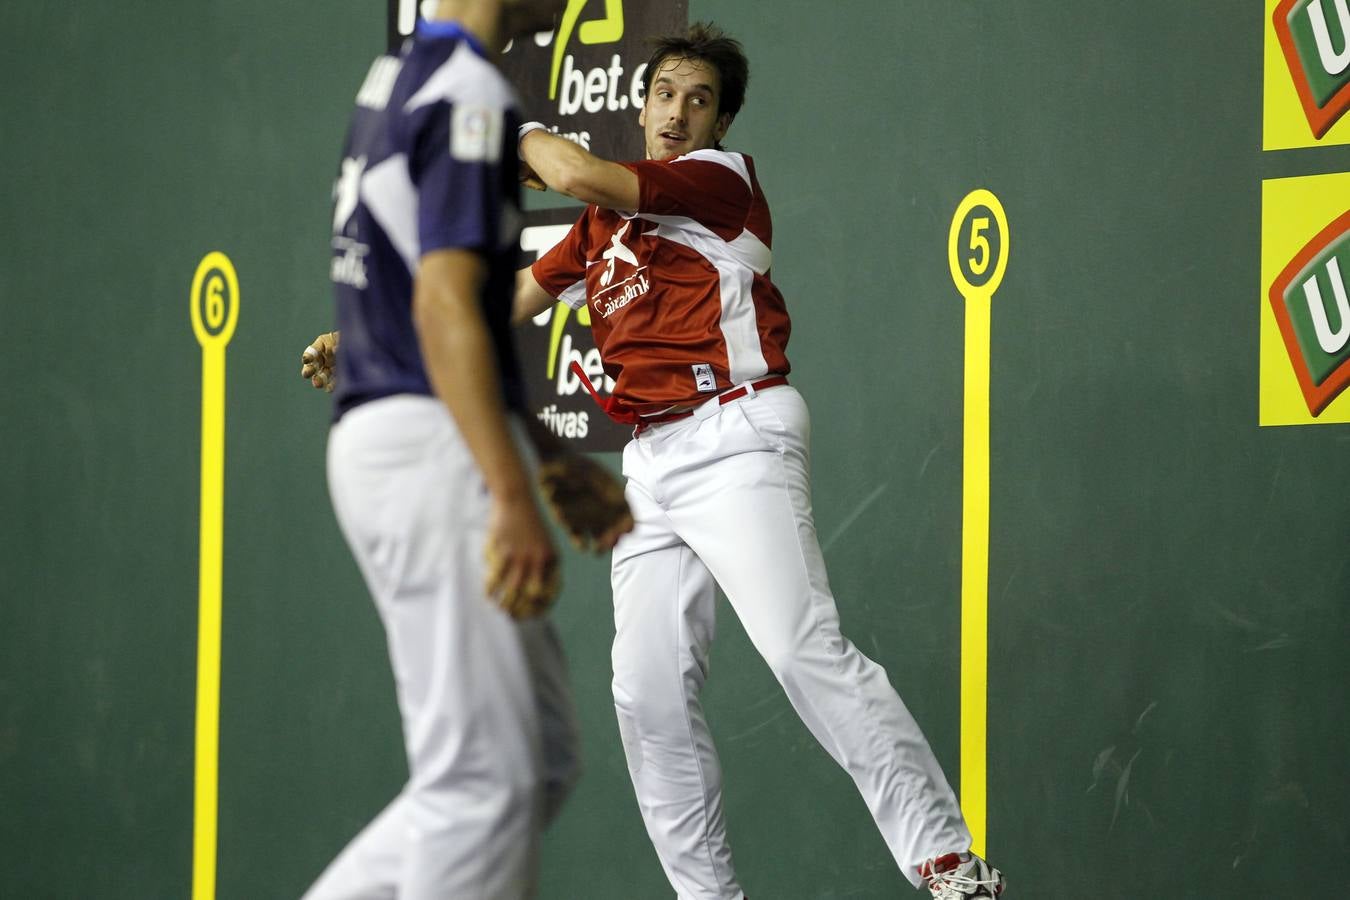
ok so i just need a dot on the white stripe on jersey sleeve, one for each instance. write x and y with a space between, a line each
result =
388 192
379 83
575 295
733 161
465 78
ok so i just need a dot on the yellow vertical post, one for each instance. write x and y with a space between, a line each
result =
977 253
975 569
214 312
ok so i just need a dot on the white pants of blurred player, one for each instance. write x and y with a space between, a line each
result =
725 497
488 721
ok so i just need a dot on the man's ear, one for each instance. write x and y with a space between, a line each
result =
642 116
723 126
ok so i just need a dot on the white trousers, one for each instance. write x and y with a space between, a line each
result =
488 721
724 497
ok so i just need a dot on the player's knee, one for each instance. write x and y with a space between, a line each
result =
651 709
626 691
640 690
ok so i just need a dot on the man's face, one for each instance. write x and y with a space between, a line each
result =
680 115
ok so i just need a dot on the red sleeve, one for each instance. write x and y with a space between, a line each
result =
564 266
705 186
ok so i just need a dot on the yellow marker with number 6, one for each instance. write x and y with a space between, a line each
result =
977 252
214 304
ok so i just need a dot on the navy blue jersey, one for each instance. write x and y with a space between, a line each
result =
430 163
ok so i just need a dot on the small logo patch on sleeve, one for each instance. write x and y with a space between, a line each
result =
704 379
476 134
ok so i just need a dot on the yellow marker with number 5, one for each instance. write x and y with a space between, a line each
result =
977 252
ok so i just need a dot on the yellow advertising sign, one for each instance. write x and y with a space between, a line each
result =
1307 77
1305 315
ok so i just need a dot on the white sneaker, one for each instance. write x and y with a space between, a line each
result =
962 876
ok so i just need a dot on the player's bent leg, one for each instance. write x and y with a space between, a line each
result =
757 535
664 624
415 516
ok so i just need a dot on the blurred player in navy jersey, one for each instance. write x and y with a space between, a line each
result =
431 465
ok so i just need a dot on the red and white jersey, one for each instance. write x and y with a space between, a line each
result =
681 304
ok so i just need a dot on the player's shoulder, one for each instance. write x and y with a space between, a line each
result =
739 163
454 73
731 159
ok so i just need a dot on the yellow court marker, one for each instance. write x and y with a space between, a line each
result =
977 251
215 312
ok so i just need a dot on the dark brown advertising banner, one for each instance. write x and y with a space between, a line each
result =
583 81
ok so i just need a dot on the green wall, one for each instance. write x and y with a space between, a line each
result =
1168 581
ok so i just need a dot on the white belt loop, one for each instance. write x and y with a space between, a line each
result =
749 389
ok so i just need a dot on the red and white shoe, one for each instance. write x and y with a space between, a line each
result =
962 876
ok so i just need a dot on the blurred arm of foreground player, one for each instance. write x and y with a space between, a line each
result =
457 352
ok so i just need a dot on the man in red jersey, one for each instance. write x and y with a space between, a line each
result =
673 255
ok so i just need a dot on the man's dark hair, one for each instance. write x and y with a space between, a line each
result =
710 44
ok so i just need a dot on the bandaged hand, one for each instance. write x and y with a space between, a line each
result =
318 363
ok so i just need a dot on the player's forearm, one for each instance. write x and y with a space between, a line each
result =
568 169
460 363
530 299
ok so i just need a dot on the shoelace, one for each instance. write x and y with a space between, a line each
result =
949 885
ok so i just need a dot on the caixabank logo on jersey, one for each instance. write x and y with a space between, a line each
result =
1307 73
585 81
1305 324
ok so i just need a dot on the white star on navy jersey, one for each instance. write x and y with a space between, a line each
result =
347 191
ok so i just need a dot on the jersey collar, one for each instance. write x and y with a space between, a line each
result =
447 29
